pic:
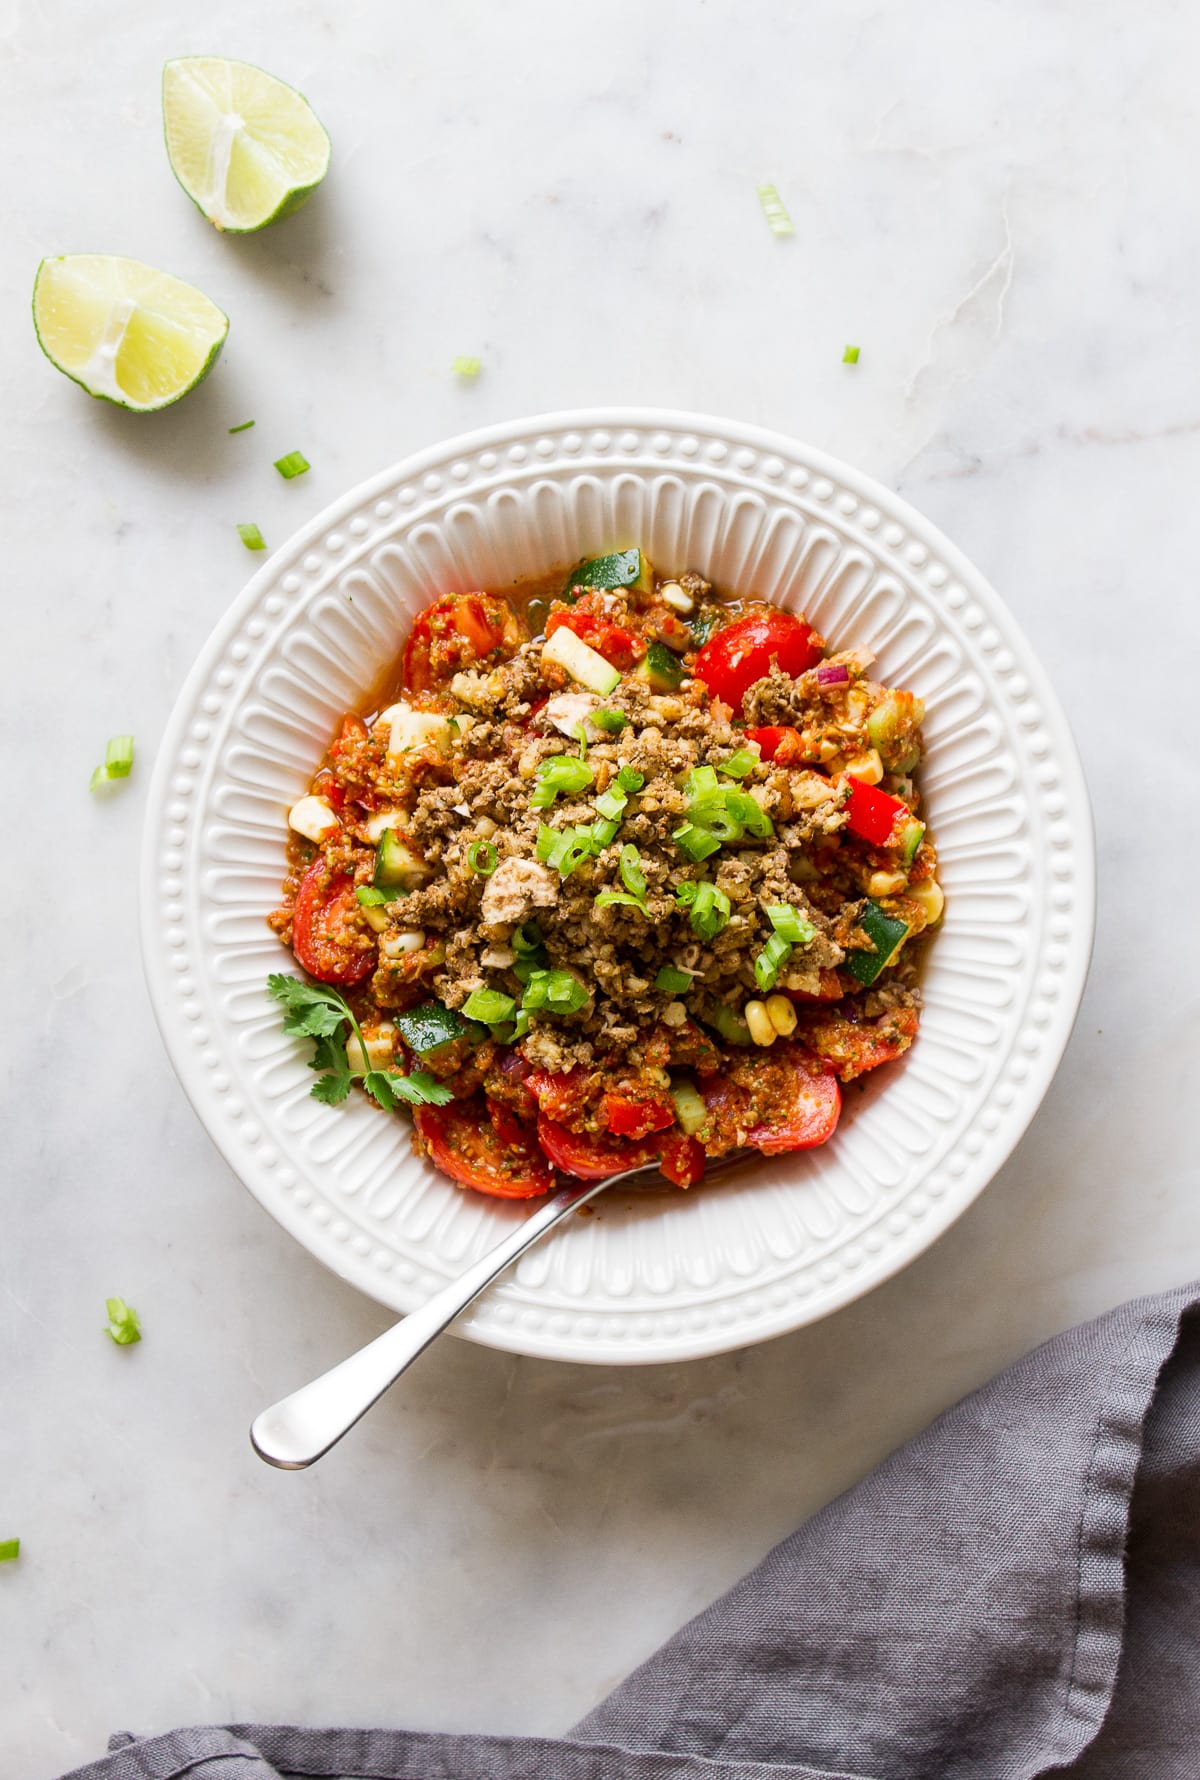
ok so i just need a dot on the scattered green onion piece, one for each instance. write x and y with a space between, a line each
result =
581 735
556 990
560 774
570 849
604 833
521 1026
695 842
526 938
739 764
611 803
527 964
123 1323
118 761
850 356
685 893
714 818
482 858
632 875
9 1549
701 782
373 896
293 463
466 367
251 537
710 910
613 721
775 211
672 981
607 898
489 1006
547 840
629 779
770 962
797 929
245 427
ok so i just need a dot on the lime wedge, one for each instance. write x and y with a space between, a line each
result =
246 148
123 331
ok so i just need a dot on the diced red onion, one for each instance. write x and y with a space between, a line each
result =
833 673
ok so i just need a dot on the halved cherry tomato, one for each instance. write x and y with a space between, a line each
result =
806 1116
852 1047
454 633
779 743
328 937
779 1099
617 645
681 1159
563 1097
732 660
626 1116
590 1155
871 814
485 1147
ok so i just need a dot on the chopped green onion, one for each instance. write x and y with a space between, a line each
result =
749 812
526 938
581 734
560 774
521 1027
604 833
294 463
466 367
9 1549
701 782
547 840
729 814
611 803
774 211
489 1006
629 779
372 896
685 893
632 875
527 964
613 721
245 427
695 842
559 991
251 537
123 1323
739 764
797 929
714 818
607 898
770 962
566 850
483 858
710 910
118 761
672 981
850 356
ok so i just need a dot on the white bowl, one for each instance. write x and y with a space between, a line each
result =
794 1237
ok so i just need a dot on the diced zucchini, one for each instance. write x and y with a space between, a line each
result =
910 836
409 729
583 663
706 622
661 670
397 864
886 934
728 1023
426 1029
623 568
690 1109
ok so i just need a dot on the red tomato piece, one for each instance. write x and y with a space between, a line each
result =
563 1097
871 814
805 1117
781 743
617 645
681 1159
626 1116
485 1148
456 632
851 1047
737 656
771 1100
328 937
591 1155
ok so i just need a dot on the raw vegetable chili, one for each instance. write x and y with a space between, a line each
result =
612 869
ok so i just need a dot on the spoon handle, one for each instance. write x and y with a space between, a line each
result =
301 1428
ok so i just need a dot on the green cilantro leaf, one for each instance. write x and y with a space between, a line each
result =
331 1090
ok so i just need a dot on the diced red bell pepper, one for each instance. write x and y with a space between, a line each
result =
871 814
779 743
681 1160
625 1116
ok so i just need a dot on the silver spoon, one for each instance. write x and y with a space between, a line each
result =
300 1429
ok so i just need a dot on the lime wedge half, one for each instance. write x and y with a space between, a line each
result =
123 331
246 148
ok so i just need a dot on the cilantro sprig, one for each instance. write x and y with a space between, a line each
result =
316 1011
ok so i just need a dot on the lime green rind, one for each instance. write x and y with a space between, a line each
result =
292 200
99 395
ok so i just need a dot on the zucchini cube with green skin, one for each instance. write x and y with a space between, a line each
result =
586 666
396 865
621 568
426 1029
886 934
660 669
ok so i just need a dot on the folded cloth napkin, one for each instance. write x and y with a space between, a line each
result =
1015 1593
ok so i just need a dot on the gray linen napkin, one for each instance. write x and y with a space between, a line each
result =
1014 1593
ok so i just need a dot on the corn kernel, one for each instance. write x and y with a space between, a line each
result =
781 1014
676 597
868 767
886 883
376 917
759 1021
930 897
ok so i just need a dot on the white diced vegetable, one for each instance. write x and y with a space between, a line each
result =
408 729
383 819
584 665
313 818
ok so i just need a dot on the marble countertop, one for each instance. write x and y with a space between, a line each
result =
990 209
